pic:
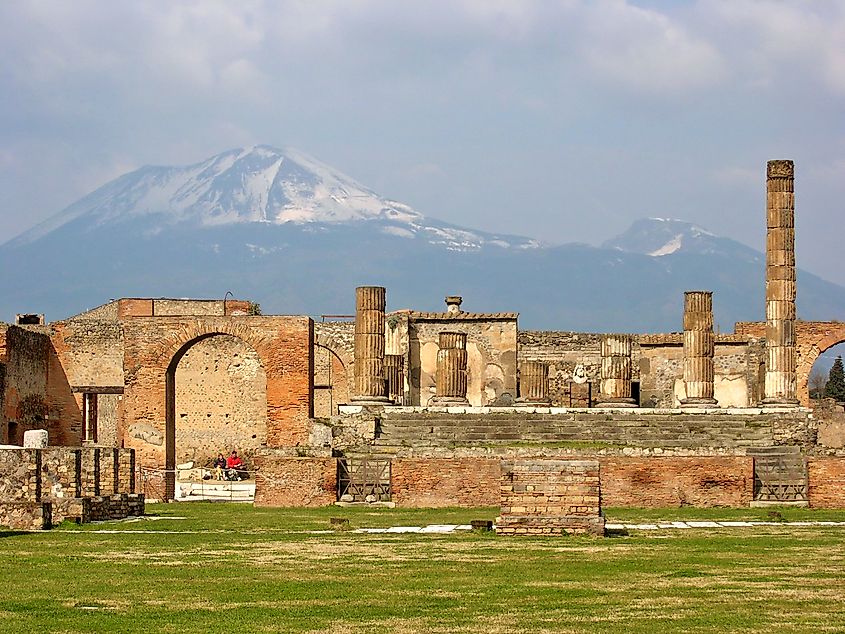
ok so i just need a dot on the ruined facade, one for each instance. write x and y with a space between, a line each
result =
432 404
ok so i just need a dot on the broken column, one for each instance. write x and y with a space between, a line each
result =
394 372
370 386
781 380
698 349
533 383
451 369
453 304
616 372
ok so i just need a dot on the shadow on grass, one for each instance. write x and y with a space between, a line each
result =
9 533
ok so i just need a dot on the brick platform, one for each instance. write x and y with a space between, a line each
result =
550 497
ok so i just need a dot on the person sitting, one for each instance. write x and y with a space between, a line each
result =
219 465
234 465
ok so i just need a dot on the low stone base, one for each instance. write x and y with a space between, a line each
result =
447 401
562 525
701 403
781 402
617 402
26 516
98 509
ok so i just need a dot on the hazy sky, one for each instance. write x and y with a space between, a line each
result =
562 120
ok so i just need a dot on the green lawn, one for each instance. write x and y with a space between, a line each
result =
232 568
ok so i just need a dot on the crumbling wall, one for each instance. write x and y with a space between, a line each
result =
25 401
736 366
564 351
491 354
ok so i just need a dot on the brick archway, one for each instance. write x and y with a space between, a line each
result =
812 338
152 345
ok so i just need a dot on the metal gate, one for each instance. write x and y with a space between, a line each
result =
780 475
363 480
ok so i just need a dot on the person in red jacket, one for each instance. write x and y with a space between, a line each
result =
234 465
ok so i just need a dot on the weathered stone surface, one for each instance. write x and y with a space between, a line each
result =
35 438
452 368
616 370
370 384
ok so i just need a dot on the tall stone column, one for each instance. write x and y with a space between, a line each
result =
394 371
781 357
533 383
698 349
616 372
451 369
370 386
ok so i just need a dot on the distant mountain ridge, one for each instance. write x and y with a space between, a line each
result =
297 236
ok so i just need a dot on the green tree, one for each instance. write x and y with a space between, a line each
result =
835 387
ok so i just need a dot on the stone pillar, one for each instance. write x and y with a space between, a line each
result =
394 371
370 386
616 372
698 349
533 383
781 358
453 304
451 369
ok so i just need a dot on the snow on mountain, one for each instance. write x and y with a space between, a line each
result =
659 237
261 184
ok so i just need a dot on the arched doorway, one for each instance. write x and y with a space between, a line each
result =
331 381
820 372
216 401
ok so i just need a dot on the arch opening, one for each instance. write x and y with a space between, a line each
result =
216 402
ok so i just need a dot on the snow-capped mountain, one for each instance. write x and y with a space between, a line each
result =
658 237
297 236
261 184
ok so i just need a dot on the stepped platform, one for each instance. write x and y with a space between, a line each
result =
416 430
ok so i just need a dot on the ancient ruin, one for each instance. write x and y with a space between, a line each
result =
430 408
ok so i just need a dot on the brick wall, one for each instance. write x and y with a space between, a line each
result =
293 481
675 481
550 497
438 482
826 482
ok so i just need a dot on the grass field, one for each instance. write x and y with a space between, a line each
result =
232 568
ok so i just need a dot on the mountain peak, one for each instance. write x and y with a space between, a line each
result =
258 184
659 237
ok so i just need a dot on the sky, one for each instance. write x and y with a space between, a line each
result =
560 120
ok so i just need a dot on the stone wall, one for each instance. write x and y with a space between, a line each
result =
826 479
563 351
25 401
283 480
550 497
54 484
433 482
737 366
677 481
221 401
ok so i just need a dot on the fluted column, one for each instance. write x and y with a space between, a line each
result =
533 383
698 349
370 386
451 369
394 371
616 372
781 357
